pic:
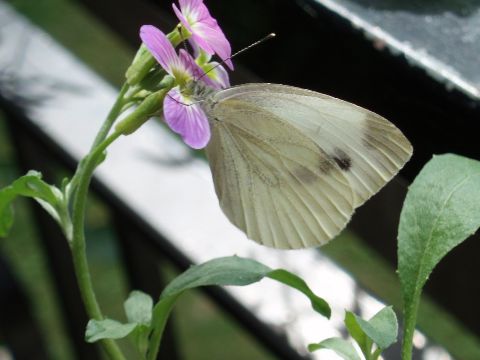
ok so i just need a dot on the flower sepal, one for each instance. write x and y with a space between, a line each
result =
179 35
202 58
150 106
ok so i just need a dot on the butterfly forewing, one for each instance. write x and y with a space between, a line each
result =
368 148
273 182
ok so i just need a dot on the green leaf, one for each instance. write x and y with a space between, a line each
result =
342 347
231 270
382 328
30 185
239 271
441 210
357 333
161 312
138 308
107 329
292 280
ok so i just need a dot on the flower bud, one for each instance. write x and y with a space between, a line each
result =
152 104
154 80
142 63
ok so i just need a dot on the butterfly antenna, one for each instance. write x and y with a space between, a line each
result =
258 42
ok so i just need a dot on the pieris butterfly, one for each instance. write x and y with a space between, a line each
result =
291 165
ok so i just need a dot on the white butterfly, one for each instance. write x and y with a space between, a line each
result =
291 165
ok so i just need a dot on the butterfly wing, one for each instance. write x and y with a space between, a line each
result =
272 181
286 172
368 148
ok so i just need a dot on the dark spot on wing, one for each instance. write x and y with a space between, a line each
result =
342 159
309 175
325 164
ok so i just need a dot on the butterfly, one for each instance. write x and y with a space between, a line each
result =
290 165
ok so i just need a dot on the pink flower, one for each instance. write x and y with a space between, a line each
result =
217 74
206 33
181 111
187 120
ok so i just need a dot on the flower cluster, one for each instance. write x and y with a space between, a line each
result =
182 112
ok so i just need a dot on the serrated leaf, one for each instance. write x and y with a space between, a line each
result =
138 307
29 185
107 329
342 348
442 209
231 270
382 328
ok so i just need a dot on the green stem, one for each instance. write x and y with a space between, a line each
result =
410 319
368 349
79 189
161 313
79 246
376 354
111 117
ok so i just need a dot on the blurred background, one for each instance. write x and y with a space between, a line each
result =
414 62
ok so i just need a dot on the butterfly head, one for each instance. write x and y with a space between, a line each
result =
199 91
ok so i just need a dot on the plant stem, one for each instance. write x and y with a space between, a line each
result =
79 246
376 354
111 117
161 313
79 185
113 114
410 319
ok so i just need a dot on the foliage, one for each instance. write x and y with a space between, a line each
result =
441 210
147 322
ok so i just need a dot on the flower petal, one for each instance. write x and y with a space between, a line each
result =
206 32
191 6
198 73
160 47
194 10
219 75
216 40
186 119
183 19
